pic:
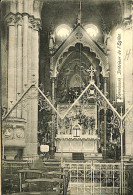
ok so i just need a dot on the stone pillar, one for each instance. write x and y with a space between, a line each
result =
11 19
53 120
4 60
112 64
30 51
19 63
128 84
25 49
35 71
23 19
32 78
105 119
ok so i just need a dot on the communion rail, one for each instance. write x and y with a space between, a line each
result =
99 178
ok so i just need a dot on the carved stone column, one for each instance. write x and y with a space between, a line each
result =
11 22
23 20
25 49
128 84
105 120
53 120
32 78
19 21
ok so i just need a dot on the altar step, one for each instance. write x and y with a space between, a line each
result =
78 156
63 156
52 165
93 156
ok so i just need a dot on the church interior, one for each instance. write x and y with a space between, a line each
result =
67 97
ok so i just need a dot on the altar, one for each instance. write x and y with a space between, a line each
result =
76 144
77 132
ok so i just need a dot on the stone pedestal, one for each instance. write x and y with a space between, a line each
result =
13 137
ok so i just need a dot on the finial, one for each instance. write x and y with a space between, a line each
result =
78 20
91 71
79 15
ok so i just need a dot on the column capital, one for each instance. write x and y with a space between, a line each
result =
30 20
10 19
127 23
19 19
34 23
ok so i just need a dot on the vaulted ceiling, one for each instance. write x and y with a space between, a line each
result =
103 14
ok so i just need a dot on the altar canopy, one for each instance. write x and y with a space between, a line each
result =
74 65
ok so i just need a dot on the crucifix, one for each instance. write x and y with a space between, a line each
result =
91 71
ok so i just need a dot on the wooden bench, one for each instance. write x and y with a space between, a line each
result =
54 180
24 172
45 184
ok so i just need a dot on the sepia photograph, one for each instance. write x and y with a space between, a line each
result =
67 97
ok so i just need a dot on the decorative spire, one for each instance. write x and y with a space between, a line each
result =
79 15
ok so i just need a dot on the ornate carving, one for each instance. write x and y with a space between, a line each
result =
8 133
36 24
30 20
79 36
19 133
11 19
19 19
77 119
102 58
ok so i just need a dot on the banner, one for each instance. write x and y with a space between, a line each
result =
119 65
